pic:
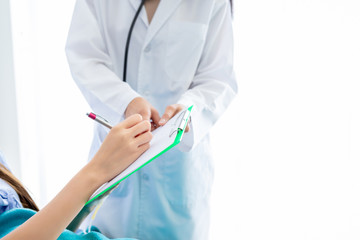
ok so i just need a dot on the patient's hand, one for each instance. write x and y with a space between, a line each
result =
121 147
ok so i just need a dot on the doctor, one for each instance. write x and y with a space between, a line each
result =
180 54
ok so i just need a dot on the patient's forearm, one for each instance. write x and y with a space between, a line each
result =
124 143
54 217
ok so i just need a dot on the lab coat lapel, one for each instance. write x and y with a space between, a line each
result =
163 12
143 16
134 3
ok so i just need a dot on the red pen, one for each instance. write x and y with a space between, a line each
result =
99 119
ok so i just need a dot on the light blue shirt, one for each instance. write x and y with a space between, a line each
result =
10 220
8 197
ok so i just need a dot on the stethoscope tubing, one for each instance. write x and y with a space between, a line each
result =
129 38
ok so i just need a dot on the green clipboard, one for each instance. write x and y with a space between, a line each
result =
172 133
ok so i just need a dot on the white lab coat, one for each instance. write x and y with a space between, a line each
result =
184 56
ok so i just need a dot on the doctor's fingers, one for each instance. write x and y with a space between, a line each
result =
155 117
145 112
170 111
140 128
187 129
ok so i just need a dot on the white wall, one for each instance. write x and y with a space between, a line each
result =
290 166
55 133
9 138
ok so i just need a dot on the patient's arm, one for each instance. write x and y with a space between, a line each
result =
123 145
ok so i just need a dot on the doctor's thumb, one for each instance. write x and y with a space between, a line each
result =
155 117
145 115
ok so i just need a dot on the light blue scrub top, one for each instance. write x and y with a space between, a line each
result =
13 218
8 197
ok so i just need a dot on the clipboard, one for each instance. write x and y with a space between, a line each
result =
164 138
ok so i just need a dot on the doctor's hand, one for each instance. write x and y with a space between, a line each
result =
141 106
171 111
122 146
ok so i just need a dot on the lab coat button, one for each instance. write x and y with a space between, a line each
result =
148 48
145 177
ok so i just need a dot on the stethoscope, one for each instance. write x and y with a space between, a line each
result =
129 37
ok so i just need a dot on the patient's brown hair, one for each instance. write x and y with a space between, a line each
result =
24 196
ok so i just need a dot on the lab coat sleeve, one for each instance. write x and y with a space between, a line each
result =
92 68
214 85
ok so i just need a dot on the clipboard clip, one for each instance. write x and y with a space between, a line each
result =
180 123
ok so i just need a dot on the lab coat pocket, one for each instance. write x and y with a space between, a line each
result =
184 46
188 177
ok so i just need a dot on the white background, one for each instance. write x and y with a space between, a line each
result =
287 150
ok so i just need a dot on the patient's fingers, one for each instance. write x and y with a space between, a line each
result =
143 138
141 127
132 120
144 147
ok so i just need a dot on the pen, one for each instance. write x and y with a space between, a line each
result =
99 119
